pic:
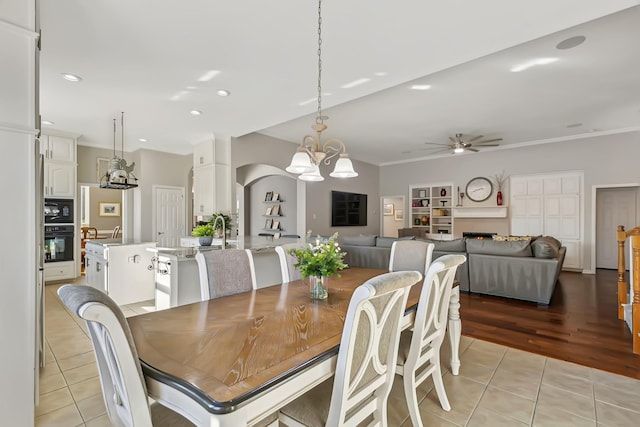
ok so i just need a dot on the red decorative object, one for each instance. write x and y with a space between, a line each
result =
499 200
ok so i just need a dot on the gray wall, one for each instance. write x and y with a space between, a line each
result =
286 187
260 149
157 168
605 160
152 168
102 195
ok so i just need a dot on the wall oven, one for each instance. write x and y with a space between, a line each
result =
58 243
58 211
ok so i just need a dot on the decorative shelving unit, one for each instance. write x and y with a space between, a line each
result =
273 211
431 207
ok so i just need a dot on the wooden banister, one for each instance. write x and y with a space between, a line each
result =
634 237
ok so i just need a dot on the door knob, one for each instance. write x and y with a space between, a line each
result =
160 232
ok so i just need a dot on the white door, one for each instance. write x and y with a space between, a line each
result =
169 215
614 206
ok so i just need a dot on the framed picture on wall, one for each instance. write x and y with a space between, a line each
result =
398 215
109 209
387 209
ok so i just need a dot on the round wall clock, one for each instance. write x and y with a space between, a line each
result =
479 189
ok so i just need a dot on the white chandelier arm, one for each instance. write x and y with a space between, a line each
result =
333 147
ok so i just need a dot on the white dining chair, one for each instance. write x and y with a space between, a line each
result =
365 365
225 272
287 261
419 349
407 255
123 386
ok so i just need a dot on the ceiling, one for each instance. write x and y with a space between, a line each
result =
148 61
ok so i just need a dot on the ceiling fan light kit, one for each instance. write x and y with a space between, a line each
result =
459 144
311 151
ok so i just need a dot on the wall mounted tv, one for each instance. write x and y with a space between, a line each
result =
348 209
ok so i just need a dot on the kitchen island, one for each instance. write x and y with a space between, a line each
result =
177 281
123 269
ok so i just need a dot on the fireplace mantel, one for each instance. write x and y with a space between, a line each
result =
480 212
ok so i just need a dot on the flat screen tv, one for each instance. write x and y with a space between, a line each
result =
348 209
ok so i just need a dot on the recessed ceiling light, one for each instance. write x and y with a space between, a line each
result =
195 112
533 63
223 92
191 88
380 74
574 125
142 139
355 83
571 42
208 75
71 77
47 122
421 87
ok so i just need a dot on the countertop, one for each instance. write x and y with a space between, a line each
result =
118 242
254 243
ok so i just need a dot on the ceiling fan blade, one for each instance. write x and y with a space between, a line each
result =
489 140
453 139
436 143
471 149
487 145
475 138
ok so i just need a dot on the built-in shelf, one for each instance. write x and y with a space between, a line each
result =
480 212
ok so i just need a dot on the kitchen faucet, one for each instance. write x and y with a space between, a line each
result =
224 230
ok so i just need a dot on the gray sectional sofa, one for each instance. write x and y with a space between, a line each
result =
520 269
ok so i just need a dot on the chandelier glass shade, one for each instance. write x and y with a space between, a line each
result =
312 151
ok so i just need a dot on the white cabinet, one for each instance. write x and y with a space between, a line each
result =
432 208
177 281
59 270
550 205
203 154
211 177
203 190
58 148
59 165
59 179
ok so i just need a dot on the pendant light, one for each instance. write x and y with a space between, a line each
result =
119 176
312 151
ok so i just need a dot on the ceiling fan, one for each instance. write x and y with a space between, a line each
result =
461 143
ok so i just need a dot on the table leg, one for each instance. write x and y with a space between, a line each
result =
455 329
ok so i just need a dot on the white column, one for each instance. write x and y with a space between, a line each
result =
17 186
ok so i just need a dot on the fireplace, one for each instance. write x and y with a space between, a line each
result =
477 235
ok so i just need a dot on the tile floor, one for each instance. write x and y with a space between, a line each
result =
497 386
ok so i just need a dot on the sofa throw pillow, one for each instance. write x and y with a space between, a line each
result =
511 238
384 242
545 247
457 245
520 248
360 240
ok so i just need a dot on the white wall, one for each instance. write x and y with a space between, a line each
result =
607 159
390 225
18 109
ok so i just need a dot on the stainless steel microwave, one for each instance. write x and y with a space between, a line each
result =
58 211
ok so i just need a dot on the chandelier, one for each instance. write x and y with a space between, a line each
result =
312 151
119 176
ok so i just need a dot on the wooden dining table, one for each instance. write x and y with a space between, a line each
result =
235 360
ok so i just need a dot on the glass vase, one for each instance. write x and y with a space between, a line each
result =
318 287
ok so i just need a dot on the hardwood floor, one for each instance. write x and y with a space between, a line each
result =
580 324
